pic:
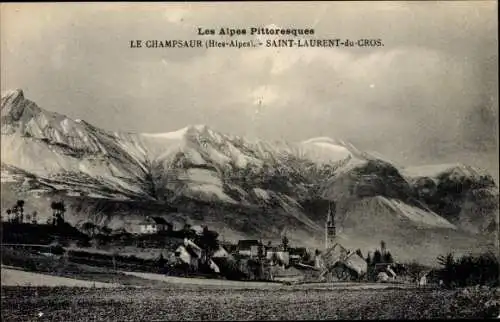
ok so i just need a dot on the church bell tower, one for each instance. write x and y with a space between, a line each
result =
330 229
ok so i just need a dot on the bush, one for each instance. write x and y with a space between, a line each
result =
479 299
469 270
230 268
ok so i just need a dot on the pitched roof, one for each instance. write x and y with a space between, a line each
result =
334 254
189 250
298 251
356 263
247 243
221 252
160 221
157 220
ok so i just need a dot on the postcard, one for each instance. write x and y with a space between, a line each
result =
249 160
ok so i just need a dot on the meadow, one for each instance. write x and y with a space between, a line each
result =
196 302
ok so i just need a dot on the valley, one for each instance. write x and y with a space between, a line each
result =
241 188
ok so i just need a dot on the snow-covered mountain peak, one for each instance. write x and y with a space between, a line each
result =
13 94
14 105
433 170
330 149
244 184
198 129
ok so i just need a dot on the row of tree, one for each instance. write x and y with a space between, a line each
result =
380 256
17 214
469 270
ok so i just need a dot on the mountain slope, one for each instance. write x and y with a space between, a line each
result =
465 196
243 188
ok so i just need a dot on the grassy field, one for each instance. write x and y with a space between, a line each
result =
147 296
185 302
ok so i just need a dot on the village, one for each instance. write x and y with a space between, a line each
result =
196 251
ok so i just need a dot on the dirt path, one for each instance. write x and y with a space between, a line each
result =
264 285
203 281
13 277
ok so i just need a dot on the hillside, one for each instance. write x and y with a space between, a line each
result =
241 188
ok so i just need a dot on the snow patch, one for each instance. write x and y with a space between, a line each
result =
263 194
175 135
203 176
211 192
216 156
417 215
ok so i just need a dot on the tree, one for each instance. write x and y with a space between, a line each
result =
15 214
274 258
260 251
448 272
377 257
382 247
187 232
209 242
89 228
388 258
34 217
161 263
284 243
307 257
369 259
20 210
58 210
360 254
106 230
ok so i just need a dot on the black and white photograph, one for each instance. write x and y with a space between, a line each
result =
249 161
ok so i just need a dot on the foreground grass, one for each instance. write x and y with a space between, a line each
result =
194 303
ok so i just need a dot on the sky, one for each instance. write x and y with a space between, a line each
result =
429 95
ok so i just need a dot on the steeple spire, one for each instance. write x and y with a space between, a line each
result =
330 229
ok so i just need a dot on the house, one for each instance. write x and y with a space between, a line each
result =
318 261
188 256
382 277
221 252
153 225
334 254
275 254
386 269
195 248
297 254
341 264
189 253
249 247
422 278
391 272
356 263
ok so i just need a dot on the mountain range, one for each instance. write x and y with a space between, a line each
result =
242 188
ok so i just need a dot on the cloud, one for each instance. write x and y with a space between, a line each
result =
426 96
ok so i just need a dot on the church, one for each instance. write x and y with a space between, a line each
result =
337 262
